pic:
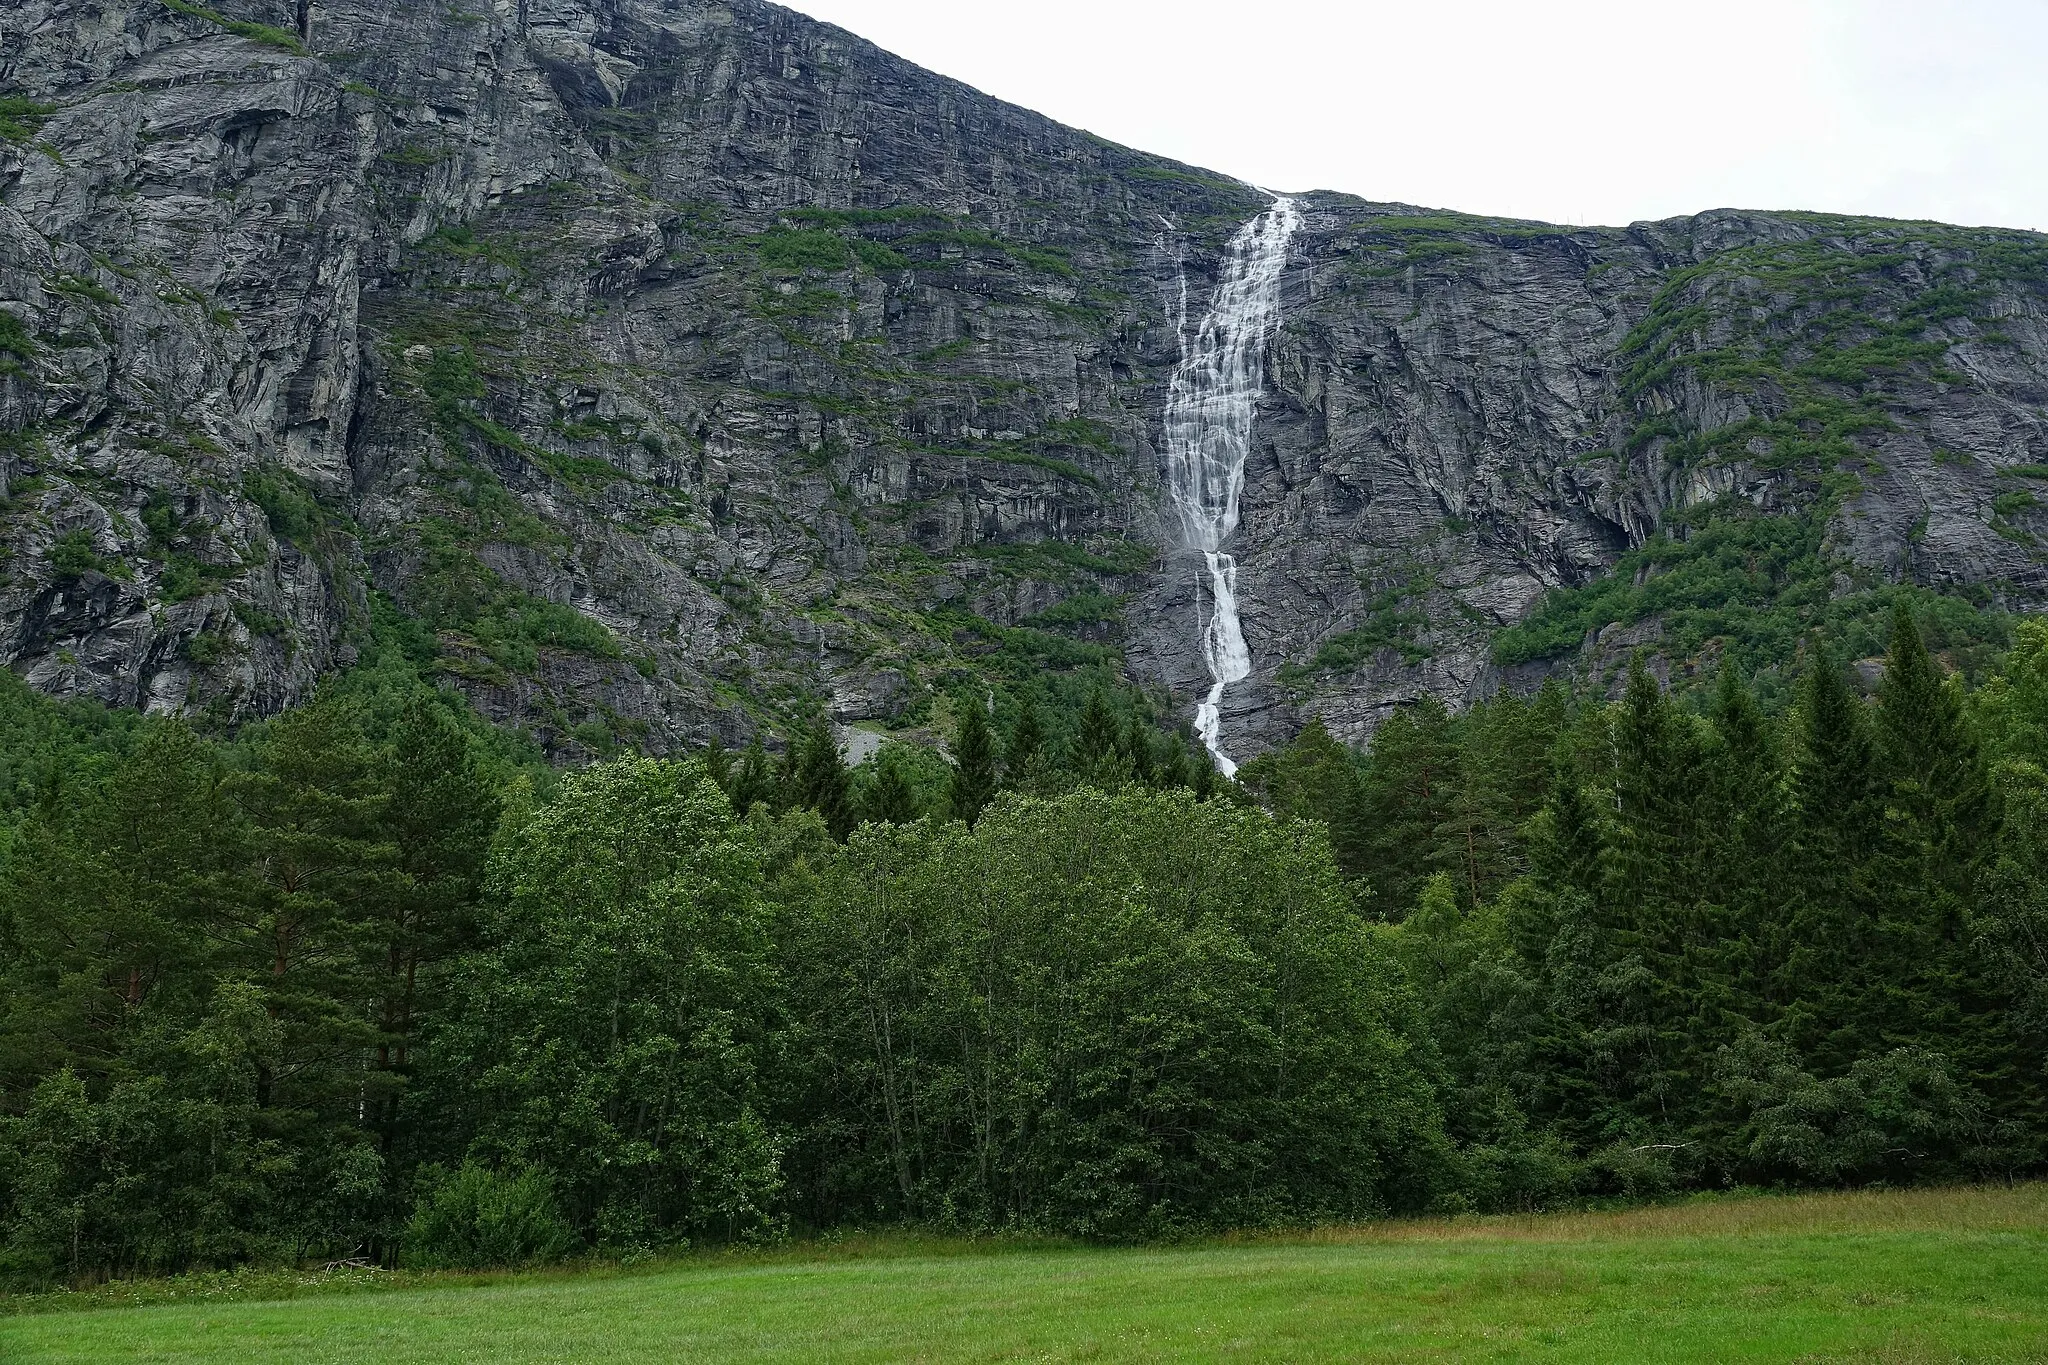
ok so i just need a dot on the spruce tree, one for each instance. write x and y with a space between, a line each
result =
440 816
1504 762
821 781
1173 770
1745 815
889 798
718 765
1662 928
789 793
1409 791
753 778
974 781
1316 778
317 807
1566 839
1930 986
1202 775
1931 759
1024 757
1822 959
1098 757
1656 780
1137 747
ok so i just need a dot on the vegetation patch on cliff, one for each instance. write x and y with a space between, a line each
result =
1756 588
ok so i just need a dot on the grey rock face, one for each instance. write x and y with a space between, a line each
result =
674 361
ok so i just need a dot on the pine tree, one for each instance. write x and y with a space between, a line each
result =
1930 985
718 764
1316 778
821 782
1822 957
889 798
1137 747
1098 757
1174 770
974 781
753 778
788 779
1409 788
1024 757
440 817
1746 816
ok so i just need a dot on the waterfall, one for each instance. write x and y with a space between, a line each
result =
1209 408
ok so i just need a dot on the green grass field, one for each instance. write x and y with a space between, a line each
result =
1918 1276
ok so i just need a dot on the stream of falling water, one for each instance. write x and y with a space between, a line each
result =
1209 408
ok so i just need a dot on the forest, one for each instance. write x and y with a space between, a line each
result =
371 981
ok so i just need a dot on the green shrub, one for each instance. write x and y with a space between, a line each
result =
16 345
479 1218
72 555
802 249
286 501
1759 584
21 119
268 34
206 650
183 580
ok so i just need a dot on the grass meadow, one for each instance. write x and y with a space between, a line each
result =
1912 1276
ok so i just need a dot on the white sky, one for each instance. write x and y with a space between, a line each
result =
1573 111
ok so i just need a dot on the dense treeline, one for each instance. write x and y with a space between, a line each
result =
1710 945
369 980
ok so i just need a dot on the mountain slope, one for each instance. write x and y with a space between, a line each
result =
655 367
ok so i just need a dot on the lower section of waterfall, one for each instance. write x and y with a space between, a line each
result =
1224 651
1209 408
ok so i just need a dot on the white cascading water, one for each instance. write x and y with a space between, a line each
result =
1209 409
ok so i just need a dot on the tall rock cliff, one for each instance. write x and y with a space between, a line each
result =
653 366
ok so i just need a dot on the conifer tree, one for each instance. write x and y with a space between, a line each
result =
1931 758
718 764
1929 986
1202 774
1316 778
1821 963
1654 914
1566 839
753 778
1098 757
1137 747
1024 756
889 798
1745 818
1173 770
440 816
1503 778
1656 779
1409 786
788 779
974 781
317 809
822 782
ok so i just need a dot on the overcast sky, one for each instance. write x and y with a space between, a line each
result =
1574 111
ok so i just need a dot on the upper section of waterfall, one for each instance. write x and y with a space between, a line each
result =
1215 389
